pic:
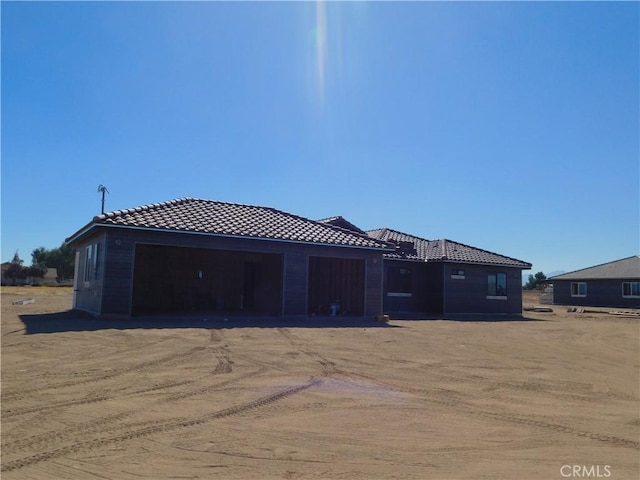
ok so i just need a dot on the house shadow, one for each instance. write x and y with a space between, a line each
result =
76 321
463 317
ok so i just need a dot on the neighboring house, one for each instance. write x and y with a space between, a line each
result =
447 277
192 254
50 276
612 284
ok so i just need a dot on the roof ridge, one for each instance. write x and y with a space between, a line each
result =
443 248
144 207
401 233
363 235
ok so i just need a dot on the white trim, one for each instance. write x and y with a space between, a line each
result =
578 295
398 294
496 297
458 277
629 296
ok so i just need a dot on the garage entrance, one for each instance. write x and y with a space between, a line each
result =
336 286
181 279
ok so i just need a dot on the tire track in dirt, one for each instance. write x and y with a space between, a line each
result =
58 436
224 366
328 368
157 428
447 398
610 439
106 375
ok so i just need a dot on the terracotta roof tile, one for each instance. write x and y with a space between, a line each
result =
221 218
409 247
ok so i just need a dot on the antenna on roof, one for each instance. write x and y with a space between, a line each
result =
103 190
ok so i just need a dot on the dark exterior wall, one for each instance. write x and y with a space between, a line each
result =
373 290
88 292
113 294
434 288
399 302
426 292
600 293
296 278
470 294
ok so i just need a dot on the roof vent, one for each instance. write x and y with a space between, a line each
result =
405 247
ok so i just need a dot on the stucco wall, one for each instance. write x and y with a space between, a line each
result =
600 293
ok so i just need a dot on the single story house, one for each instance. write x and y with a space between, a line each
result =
612 284
444 277
191 254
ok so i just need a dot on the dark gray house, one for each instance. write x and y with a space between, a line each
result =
444 277
191 254
448 278
200 255
612 284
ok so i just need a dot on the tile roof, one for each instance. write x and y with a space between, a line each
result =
341 222
195 215
409 247
626 268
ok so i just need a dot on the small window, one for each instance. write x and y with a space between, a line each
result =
88 261
457 274
578 289
631 289
399 282
497 285
91 262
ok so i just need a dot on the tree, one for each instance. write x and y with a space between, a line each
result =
34 272
16 271
61 258
535 281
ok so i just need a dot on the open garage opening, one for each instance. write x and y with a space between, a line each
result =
336 286
181 279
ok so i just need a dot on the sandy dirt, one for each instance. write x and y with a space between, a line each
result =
201 397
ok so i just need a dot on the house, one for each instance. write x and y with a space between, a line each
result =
192 254
448 278
612 284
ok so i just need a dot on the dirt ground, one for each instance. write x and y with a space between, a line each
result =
202 398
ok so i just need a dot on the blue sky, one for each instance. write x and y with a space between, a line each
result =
512 127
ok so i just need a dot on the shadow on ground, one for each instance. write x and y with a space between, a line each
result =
479 317
74 321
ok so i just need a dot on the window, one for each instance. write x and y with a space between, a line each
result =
578 289
497 285
91 262
457 274
631 289
399 282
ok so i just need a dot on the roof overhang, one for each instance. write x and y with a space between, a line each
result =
83 232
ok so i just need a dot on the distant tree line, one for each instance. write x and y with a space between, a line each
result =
535 282
61 258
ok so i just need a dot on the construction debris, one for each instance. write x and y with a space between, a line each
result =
538 309
627 314
24 301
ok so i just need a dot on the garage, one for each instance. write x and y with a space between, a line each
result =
184 279
336 286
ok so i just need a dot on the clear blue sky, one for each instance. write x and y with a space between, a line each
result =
507 126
